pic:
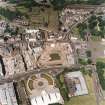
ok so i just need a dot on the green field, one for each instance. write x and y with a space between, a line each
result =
102 103
41 16
96 38
101 60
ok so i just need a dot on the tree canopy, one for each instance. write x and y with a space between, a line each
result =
58 4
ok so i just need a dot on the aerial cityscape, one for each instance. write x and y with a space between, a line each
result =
52 52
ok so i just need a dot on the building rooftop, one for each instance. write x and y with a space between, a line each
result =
13 65
76 83
7 94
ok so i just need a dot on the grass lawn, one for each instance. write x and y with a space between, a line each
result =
87 99
33 77
53 20
102 103
55 56
30 84
75 32
83 61
96 38
48 78
101 60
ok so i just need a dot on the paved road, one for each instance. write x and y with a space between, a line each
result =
97 87
25 74
18 77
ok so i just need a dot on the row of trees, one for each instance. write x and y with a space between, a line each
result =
82 28
11 30
93 2
8 14
57 4
62 86
101 71
95 26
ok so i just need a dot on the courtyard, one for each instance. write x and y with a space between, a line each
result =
57 54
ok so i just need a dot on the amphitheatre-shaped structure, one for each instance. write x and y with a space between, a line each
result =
41 89
38 82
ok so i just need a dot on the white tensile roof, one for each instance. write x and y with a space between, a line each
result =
29 31
46 98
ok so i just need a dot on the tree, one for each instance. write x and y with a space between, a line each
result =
82 27
17 30
82 61
58 4
88 53
101 70
83 71
89 61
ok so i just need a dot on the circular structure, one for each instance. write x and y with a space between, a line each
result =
39 82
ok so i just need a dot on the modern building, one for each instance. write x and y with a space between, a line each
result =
7 94
47 98
76 84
